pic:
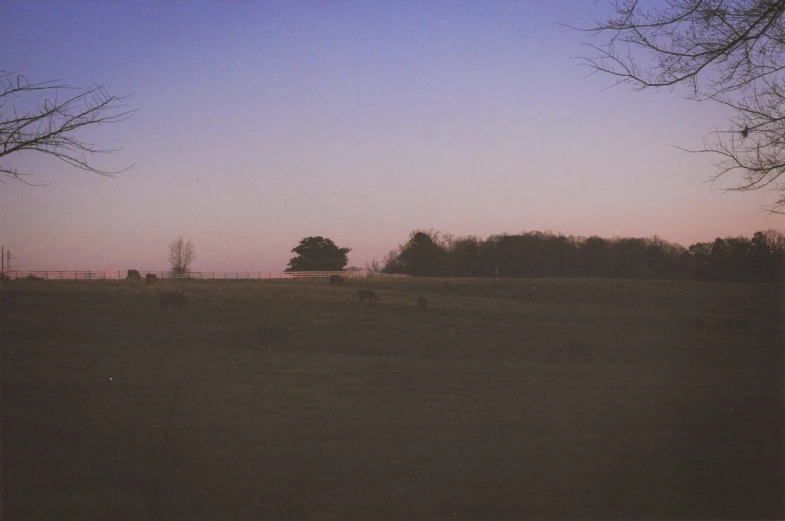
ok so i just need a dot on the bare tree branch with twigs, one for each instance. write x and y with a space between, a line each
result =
52 126
731 52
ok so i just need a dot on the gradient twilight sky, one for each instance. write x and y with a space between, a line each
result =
372 118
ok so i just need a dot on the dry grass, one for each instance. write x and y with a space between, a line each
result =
580 398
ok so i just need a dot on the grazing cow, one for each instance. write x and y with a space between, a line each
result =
274 334
337 280
151 278
367 294
133 275
175 300
422 303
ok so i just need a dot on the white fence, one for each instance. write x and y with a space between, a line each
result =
200 275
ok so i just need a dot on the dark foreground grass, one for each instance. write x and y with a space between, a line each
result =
504 400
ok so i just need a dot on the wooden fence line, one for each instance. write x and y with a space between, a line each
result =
198 275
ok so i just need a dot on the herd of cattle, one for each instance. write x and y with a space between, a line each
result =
174 300
150 278
177 300
169 299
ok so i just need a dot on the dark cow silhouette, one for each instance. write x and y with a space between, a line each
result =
274 334
367 294
151 278
422 303
337 280
174 300
133 275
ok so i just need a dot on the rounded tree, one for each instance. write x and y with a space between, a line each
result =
318 254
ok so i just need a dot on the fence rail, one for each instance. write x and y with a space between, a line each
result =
199 275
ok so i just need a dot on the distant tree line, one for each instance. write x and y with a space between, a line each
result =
537 254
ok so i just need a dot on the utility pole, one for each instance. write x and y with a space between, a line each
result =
2 258
8 259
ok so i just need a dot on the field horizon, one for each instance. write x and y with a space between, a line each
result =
504 399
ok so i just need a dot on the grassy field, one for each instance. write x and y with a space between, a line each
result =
506 399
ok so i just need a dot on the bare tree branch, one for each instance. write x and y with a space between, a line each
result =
52 126
731 52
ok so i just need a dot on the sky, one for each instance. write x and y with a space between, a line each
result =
260 123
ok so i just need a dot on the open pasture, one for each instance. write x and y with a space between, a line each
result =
504 399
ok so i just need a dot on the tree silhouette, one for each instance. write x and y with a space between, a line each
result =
51 127
465 258
318 254
181 255
422 256
728 51
544 254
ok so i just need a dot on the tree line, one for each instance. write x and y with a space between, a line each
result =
429 253
760 258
